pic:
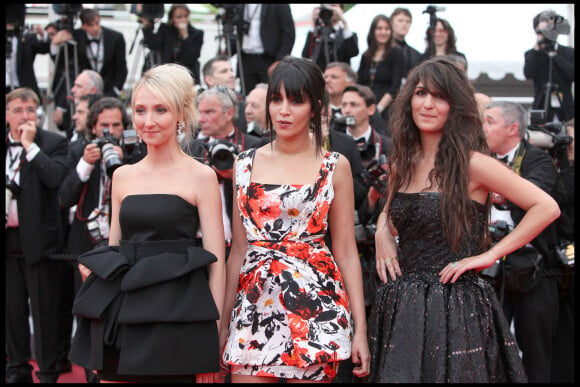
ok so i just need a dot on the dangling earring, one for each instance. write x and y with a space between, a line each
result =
180 127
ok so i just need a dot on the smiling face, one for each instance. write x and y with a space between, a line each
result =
290 115
430 110
441 34
153 118
382 32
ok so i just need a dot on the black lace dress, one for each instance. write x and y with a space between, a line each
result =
421 330
146 312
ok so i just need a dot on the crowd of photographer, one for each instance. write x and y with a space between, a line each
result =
58 189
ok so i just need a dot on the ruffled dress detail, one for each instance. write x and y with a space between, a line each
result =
149 299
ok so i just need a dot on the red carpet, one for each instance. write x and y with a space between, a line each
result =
77 375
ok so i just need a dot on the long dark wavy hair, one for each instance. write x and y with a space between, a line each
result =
450 47
372 39
302 80
462 134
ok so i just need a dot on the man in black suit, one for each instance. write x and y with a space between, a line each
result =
537 65
21 50
266 34
218 108
401 20
330 40
36 165
99 48
529 300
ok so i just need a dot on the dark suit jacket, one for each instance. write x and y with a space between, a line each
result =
538 168
70 191
173 49
28 47
345 48
276 29
410 56
39 216
114 70
345 145
536 68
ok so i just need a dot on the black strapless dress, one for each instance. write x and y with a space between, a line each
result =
423 331
146 312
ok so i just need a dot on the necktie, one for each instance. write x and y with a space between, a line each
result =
91 41
14 143
361 143
503 159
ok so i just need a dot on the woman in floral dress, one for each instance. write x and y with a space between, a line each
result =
295 308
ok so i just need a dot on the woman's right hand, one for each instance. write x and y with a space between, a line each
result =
386 256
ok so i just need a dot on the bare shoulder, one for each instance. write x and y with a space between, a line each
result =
203 173
342 163
125 172
486 172
343 170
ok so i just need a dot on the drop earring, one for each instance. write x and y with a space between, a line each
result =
180 128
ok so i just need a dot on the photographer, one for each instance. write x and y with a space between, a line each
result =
90 167
526 285
266 34
549 54
34 284
330 39
218 111
22 46
358 102
98 48
176 41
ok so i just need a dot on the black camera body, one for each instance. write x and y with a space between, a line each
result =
325 15
229 15
374 175
340 123
67 12
109 155
221 154
498 230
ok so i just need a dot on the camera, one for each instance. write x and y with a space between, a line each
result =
498 230
340 123
151 11
109 155
68 12
15 15
564 251
221 154
374 175
550 25
228 13
325 15
364 233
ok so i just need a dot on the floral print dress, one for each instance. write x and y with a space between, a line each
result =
291 307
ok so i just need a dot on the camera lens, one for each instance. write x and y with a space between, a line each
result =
111 158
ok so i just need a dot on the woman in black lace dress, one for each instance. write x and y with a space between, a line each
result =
434 319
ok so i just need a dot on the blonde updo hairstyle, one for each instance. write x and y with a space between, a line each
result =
174 84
